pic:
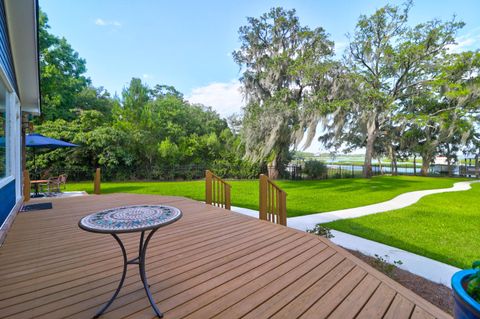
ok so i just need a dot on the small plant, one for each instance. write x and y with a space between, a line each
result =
473 282
382 264
315 169
321 231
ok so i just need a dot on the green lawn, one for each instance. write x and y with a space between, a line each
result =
444 227
304 197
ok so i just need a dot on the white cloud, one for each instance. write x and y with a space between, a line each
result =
147 76
340 46
103 23
100 22
225 98
469 41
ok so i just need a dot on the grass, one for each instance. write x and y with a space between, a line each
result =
304 197
444 227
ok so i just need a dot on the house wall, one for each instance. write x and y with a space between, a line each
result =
10 129
8 200
6 60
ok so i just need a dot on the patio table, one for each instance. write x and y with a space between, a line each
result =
128 219
36 184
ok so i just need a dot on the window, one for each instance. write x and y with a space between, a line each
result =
3 132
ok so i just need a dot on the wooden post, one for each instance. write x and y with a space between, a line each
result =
228 204
208 187
263 197
96 182
283 209
26 185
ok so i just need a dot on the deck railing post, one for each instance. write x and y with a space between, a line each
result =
96 182
263 197
283 208
273 202
217 191
208 187
228 204
26 185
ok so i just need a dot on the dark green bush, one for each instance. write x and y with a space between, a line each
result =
315 169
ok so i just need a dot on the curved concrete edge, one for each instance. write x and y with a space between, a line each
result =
401 201
422 266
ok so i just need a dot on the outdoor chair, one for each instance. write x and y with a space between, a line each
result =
62 179
53 185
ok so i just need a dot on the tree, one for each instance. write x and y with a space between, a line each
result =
281 61
444 116
61 74
389 61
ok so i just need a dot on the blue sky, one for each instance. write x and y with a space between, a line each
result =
188 44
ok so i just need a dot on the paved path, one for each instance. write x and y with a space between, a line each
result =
401 201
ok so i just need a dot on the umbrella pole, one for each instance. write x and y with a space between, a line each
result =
34 164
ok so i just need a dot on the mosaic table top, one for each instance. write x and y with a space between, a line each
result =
130 218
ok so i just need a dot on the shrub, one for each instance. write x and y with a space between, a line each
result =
384 265
321 231
315 169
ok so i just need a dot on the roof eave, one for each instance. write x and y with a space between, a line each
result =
22 23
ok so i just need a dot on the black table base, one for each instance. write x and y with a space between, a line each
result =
140 261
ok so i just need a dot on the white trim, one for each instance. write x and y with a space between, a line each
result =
5 79
4 181
7 223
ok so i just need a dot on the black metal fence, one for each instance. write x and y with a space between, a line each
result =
291 172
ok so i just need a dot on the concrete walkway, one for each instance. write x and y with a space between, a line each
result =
401 201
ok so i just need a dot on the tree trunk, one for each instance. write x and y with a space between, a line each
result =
272 167
393 156
426 159
371 137
449 164
380 165
477 167
414 165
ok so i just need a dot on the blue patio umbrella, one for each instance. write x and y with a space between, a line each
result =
36 140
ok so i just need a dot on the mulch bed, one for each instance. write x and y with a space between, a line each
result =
438 294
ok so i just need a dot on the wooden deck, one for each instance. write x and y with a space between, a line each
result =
211 263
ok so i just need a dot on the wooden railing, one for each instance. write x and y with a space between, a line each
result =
273 202
26 185
217 191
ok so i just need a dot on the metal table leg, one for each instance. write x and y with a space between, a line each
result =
140 261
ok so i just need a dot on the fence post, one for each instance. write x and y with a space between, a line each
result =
96 182
26 185
263 197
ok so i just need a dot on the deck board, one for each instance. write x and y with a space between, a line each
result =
211 263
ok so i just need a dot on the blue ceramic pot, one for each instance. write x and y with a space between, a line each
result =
465 306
